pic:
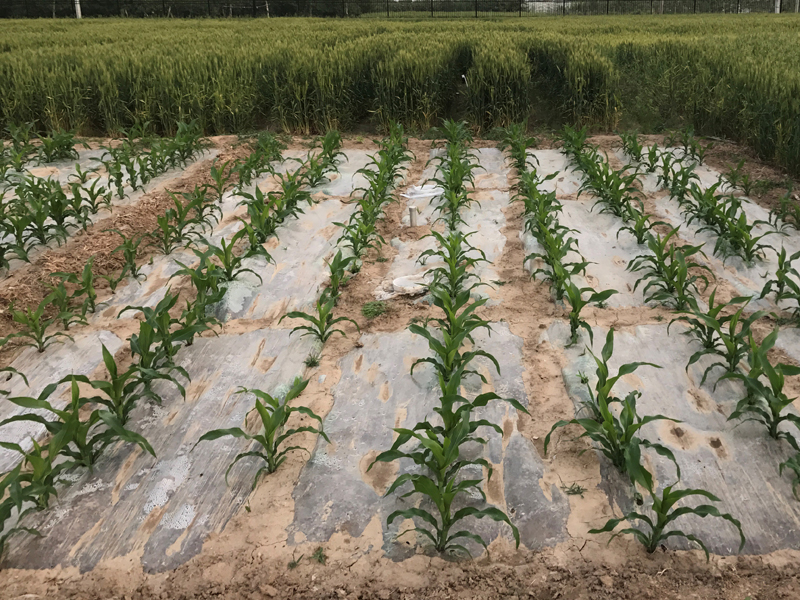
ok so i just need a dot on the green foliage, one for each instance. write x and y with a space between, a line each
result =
81 442
274 414
765 401
322 324
372 310
666 272
659 527
577 303
34 327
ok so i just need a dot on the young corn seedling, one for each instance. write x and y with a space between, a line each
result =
21 136
129 248
765 402
791 464
322 325
577 303
783 274
80 176
458 325
639 225
702 325
39 473
338 268
556 269
231 264
85 286
659 527
162 323
35 327
121 392
516 142
732 332
221 178
316 169
330 147
151 358
15 497
787 214
666 272
360 236
59 145
274 414
632 145
440 456
459 259
617 437
84 441
601 394
651 158
61 300
206 278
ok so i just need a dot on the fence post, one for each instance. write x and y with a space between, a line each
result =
387 9
476 9
520 7
431 7
563 7
608 6
208 5
695 6
738 6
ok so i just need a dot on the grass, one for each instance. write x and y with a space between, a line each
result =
731 76
372 310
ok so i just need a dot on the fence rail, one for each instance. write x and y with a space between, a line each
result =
380 8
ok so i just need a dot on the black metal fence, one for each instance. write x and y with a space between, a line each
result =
380 8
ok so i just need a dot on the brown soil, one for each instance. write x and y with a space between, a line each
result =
250 558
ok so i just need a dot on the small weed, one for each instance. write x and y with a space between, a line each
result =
312 360
573 490
374 309
294 563
319 556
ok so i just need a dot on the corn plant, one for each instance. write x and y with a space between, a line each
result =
34 327
659 527
703 325
322 325
85 286
639 225
206 278
792 464
765 402
39 472
129 248
783 276
81 176
787 213
459 259
274 414
360 235
440 456
21 135
338 268
316 169
15 498
58 145
666 272
631 145
221 176
165 333
231 264
557 245
651 158
516 141
731 333
84 441
617 437
577 303
61 300
457 326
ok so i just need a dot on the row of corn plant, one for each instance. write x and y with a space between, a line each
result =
266 214
613 424
436 445
81 431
